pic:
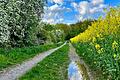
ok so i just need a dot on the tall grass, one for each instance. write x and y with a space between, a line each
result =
13 56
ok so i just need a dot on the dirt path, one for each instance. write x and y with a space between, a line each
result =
78 70
17 71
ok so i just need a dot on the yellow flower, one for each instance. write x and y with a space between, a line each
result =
97 46
99 28
100 51
98 35
94 39
114 45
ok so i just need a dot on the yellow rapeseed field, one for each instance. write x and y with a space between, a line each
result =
109 25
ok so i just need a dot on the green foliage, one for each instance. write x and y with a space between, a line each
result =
79 28
61 32
54 67
51 33
57 36
73 29
64 27
14 56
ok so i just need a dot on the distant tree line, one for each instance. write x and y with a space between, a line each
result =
61 32
74 29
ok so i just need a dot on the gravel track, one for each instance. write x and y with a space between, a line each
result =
13 73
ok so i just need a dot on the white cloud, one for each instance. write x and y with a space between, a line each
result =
73 4
93 10
58 1
55 14
61 19
98 9
48 20
79 17
85 9
102 6
54 7
97 2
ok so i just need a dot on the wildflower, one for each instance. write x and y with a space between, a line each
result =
89 49
114 55
94 39
98 35
94 62
101 38
91 44
97 46
114 45
100 51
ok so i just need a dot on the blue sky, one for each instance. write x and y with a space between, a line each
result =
72 11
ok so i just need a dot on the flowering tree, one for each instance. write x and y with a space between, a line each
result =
18 21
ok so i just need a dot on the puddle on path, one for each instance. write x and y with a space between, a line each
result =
74 72
77 69
77 72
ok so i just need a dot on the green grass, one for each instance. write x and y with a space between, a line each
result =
105 61
18 55
53 67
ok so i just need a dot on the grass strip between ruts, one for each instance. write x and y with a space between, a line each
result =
53 67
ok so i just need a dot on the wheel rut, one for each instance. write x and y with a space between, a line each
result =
77 70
